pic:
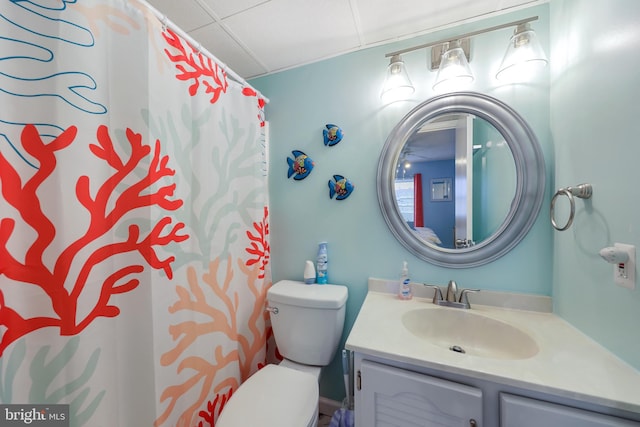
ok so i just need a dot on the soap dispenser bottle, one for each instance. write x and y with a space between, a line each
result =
404 289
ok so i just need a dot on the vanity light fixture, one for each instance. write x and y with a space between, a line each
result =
451 58
524 55
397 85
454 71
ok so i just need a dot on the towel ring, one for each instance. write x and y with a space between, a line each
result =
582 191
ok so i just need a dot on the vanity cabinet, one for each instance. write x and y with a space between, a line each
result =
391 393
516 411
396 397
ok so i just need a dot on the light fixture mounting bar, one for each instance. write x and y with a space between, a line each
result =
462 36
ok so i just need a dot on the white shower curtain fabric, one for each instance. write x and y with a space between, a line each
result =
134 222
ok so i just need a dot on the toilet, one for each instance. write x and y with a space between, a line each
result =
307 323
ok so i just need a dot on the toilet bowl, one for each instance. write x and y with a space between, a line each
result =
307 323
273 396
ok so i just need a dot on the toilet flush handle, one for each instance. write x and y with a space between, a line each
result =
273 310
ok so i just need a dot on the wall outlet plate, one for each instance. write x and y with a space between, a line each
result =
624 273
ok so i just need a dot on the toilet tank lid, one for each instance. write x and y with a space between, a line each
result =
316 296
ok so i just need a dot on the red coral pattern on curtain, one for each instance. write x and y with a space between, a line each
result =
247 91
194 66
260 244
104 217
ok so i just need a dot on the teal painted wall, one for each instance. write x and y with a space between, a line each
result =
345 91
595 111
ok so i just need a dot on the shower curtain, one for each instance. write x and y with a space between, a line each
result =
134 224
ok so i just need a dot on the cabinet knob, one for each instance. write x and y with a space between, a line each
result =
473 423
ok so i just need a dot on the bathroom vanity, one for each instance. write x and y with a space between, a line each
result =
416 363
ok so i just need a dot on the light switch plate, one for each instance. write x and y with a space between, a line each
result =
624 274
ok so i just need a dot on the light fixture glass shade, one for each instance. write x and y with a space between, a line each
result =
454 71
397 85
524 56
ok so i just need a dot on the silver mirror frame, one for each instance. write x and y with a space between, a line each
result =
530 177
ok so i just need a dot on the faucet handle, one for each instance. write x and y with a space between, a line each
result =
437 292
464 297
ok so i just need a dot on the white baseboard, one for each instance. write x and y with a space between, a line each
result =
327 406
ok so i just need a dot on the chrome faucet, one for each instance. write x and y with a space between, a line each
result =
451 298
452 292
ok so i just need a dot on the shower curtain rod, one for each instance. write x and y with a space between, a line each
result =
170 24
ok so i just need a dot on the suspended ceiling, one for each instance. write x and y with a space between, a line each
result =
258 37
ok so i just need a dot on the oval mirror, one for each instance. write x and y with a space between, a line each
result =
461 179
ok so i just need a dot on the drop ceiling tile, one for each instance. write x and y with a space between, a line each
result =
261 36
186 14
383 20
227 50
226 8
284 33
506 4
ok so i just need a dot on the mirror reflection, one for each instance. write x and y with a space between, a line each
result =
455 181
493 181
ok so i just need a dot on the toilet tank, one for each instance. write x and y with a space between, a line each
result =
309 320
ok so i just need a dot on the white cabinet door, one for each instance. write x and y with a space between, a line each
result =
516 411
396 397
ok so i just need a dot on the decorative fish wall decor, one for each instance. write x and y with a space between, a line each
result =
332 135
300 166
340 187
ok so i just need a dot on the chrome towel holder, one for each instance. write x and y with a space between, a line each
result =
582 191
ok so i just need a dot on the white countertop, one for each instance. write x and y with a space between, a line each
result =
568 362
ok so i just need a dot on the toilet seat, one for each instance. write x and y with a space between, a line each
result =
273 396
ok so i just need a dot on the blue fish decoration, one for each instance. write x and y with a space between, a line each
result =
332 135
340 186
299 167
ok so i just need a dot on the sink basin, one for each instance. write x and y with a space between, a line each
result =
463 331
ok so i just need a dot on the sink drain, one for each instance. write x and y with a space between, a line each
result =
457 349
